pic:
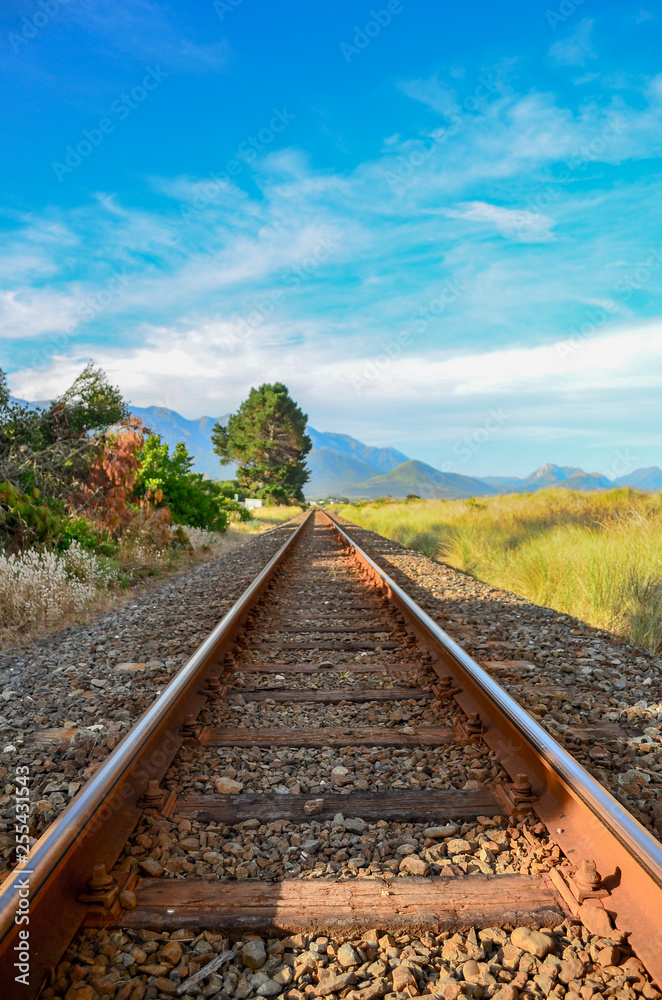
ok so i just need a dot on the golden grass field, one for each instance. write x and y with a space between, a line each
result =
263 519
596 556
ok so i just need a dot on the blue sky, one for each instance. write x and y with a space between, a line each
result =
438 224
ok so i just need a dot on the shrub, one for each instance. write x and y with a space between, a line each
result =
27 521
168 480
43 587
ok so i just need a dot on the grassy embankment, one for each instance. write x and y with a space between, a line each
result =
42 589
596 556
263 519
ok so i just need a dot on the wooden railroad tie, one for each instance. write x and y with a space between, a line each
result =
431 806
339 606
347 736
329 697
338 647
315 668
348 906
324 629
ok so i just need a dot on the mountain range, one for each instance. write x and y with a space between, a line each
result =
196 435
341 466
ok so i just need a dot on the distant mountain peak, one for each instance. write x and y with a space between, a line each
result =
344 466
549 467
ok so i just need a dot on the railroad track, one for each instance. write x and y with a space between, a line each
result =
330 766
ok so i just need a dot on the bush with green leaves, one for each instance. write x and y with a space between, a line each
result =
28 521
168 480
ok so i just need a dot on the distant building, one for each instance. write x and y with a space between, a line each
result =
250 503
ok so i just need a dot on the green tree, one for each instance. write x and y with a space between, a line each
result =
90 404
171 482
52 449
267 438
4 390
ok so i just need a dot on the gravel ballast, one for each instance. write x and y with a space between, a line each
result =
91 682
67 700
577 676
565 962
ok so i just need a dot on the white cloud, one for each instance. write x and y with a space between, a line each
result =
141 28
29 313
176 333
571 403
528 227
218 361
576 48
434 93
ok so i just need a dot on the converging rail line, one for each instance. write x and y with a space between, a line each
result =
323 659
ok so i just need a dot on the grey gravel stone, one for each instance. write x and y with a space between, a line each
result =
254 954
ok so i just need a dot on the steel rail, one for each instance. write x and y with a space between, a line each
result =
624 830
63 859
59 849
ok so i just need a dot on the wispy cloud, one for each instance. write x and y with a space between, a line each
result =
526 275
576 48
529 227
434 93
142 30
29 313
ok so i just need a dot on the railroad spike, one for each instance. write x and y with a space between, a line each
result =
101 889
586 883
190 727
473 727
153 797
470 731
444 688
213 688
522 791
517 796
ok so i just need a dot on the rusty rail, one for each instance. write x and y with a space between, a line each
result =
584 819
581 816
94 828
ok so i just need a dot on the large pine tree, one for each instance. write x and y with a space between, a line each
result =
267 438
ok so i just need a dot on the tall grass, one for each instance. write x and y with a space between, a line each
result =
595 556
264 518
44 587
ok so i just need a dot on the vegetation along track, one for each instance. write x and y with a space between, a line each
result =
465 826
